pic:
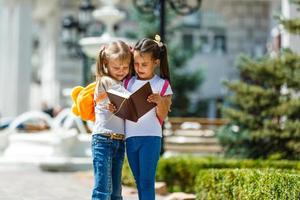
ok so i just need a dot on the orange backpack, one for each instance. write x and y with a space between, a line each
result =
83 102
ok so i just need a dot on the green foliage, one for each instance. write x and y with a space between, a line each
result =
180 172
246 184
291 25
235 140
148 24
265 104
127 176
183 80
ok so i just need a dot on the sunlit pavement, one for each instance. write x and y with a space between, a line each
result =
28 182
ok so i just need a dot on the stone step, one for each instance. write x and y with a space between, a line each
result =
196 133
190 140
183 148
181 196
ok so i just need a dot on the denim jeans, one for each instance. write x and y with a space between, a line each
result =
108 157
143 154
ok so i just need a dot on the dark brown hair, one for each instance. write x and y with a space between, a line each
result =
157 51
114 50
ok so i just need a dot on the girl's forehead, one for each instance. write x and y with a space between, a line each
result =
144 56
119 61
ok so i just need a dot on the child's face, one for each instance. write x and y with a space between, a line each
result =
118 69
144 65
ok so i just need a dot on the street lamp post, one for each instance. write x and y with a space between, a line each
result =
85 13
158 7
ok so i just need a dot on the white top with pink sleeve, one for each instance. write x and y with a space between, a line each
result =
149 124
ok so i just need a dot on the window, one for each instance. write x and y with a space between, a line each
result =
204 44
220 44
188 41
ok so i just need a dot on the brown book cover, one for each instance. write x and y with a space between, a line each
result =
131 106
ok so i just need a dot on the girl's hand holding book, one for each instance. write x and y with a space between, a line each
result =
163 104
155 98
111 107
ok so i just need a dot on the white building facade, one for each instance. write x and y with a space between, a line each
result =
34 64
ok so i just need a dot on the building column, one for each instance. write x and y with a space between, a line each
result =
49 81
289 10
46 15
15 55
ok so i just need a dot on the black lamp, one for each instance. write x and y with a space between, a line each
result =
75 28
85 17
69 33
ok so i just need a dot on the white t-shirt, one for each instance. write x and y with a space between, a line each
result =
147 125
105 121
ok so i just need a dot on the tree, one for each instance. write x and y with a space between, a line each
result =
183 81
264 109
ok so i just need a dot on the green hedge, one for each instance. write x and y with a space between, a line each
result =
180 172
127 176
263 184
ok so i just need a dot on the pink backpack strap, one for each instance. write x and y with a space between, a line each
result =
162 93
164 88
160 120
126 82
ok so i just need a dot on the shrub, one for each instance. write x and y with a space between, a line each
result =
247 184
180 172
127 176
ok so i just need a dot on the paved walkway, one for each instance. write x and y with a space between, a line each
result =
28 182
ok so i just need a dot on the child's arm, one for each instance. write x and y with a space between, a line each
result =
106 83
163 104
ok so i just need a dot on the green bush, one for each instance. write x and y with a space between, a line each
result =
235 141
180 172
247 184
127 176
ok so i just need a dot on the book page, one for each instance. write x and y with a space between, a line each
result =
119 91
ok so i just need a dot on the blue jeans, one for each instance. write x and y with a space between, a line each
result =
108 157
143 155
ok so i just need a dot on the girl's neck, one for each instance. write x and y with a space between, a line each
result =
108 75
145 79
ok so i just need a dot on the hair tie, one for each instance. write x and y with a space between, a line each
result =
131 49
157 39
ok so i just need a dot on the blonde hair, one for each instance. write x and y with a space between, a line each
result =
114 50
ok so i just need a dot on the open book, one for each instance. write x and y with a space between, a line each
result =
131 106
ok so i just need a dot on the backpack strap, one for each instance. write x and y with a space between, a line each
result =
164 88
126 82
160 120
162 93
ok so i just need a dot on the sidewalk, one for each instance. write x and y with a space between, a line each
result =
28 182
